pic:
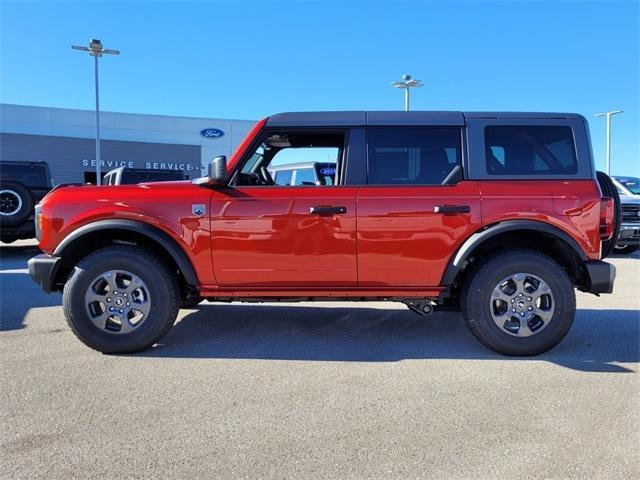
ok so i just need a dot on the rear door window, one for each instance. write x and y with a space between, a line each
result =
412 155
530 150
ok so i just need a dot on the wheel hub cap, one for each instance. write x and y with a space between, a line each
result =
522 304
10 202
117 301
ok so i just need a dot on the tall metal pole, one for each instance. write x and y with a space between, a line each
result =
96 50
98 166
405 84
608 116
608 146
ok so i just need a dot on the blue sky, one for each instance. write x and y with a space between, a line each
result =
247 60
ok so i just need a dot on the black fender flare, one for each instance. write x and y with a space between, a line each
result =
142 228
458 261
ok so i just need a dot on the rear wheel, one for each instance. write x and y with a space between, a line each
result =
519 303
121 299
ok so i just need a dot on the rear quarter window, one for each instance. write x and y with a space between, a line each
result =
530 150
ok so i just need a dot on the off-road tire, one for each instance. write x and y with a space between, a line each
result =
627 249
476 302
609 189
15 190
163 290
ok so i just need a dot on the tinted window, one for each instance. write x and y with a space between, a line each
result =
305 176
412 156
283 177
530 150
31 175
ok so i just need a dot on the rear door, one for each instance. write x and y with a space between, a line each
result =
416 208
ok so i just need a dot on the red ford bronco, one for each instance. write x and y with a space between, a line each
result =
500 215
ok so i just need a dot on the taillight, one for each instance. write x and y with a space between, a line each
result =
606 218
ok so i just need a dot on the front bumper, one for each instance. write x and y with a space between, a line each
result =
600 277
629 234
43 269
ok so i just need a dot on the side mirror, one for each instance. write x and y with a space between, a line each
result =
217 172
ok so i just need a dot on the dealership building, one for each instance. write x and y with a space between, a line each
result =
65 139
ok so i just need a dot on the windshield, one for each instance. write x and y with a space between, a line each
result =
631 184
622 190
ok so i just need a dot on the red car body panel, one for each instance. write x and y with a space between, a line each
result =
402 241
263 241
571 206
165 205
266 236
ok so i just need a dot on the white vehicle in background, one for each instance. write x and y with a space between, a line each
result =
629 238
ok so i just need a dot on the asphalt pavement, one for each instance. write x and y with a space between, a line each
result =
324 390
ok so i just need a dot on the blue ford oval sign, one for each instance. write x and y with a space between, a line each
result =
211 132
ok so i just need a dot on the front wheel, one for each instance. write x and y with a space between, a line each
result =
121 299
519 303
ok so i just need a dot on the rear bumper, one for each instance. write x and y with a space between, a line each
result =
600 277
43 269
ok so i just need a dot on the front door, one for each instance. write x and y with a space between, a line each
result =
279 226
409 223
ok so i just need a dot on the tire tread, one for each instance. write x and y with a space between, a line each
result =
143 254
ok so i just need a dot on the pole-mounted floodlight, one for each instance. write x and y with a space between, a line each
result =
96 50
608 137
405 84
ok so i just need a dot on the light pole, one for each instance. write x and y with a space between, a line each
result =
405 84
96 50
607 115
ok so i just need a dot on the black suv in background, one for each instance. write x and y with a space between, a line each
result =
22 185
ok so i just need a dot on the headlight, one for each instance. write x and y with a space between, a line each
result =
38 221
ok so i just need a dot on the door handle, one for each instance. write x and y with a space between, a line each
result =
327 210
452 209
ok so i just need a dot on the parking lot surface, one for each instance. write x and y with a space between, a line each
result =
326 390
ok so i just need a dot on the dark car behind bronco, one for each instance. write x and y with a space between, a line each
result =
22 185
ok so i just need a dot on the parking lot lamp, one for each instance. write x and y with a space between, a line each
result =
608 115
96 50
405 84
